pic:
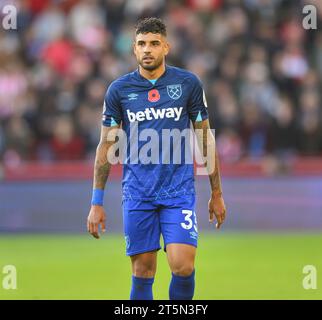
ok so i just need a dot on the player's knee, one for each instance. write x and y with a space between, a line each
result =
144 269
183 270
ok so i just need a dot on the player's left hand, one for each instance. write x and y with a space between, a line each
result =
217 208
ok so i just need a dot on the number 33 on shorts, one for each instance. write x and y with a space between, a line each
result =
190 220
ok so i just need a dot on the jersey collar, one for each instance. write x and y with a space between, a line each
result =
145 80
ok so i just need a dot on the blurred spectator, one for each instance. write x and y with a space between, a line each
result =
258 89
49 25
229 145
65 143
254 130
13 85
88 120
18 140
86 22
310 136
114 15
224 111
59 55
283 130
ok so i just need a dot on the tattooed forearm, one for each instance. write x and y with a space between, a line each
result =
214 178
206 141
102 166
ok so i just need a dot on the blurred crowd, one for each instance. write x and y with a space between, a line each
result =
260 68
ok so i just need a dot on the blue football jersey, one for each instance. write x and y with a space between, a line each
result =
171 102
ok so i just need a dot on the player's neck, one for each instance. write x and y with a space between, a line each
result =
152 74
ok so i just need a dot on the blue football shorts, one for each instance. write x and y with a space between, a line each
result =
145 221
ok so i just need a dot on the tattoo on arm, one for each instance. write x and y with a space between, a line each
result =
206 141
102 165
215 179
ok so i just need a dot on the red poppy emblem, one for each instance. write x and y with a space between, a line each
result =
153 95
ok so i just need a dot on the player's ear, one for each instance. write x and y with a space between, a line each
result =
166 48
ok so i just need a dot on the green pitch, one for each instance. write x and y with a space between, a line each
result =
228 266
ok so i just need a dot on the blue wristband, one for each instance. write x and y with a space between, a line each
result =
97 197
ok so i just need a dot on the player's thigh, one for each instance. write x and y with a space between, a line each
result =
178 221
181 258
141 227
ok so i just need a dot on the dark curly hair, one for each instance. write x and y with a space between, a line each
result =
153 25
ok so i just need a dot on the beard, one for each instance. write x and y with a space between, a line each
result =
155 64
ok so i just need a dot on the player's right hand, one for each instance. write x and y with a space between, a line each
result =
95 218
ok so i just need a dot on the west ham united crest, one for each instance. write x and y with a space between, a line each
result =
174 91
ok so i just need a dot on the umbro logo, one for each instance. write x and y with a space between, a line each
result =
132 96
